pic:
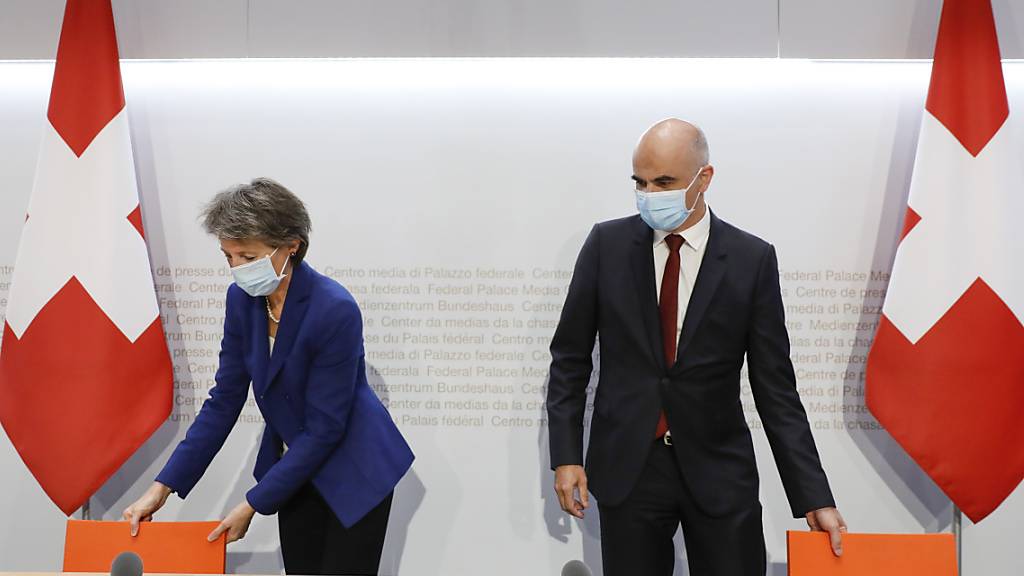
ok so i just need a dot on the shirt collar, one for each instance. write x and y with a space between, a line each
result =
695 235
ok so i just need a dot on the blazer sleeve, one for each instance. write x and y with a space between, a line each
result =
572 362
773 384
217 417
330 393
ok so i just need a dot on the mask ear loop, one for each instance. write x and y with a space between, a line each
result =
695 202
270 257
697 199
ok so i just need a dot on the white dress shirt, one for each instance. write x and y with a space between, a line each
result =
691 254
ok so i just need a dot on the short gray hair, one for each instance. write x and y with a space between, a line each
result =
261 210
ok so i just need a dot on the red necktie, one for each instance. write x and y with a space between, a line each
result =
669 308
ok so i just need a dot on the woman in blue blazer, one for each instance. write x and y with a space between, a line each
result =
331 455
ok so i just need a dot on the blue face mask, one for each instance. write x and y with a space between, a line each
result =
258 278
666 210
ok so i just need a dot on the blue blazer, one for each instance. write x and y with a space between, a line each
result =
314 397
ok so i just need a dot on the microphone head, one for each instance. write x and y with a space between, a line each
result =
126 564
575 568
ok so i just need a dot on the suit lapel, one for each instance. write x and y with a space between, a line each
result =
642 262
295 305
712 268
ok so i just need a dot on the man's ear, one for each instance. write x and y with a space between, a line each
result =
707 175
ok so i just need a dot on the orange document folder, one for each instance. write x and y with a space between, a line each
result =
165 547
875 554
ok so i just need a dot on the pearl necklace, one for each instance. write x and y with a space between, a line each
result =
271 313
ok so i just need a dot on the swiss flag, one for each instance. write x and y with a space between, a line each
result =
945 374
85 376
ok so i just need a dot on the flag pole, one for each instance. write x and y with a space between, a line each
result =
958 536
86 512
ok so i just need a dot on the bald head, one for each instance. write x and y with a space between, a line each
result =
668 155
675 141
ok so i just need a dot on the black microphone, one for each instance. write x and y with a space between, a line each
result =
127 564
575 568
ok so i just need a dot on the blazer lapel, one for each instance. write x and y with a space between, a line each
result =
712 268
295 306
642 262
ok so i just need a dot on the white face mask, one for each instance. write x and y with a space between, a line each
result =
666 210
258 278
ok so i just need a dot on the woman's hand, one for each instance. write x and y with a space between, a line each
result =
144 508
236 524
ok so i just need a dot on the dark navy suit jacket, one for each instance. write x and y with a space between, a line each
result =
314 397
735 312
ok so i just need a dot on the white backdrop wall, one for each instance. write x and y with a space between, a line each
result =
451 197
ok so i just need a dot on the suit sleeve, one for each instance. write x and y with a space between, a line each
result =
773 384
330 392
572 358
217 417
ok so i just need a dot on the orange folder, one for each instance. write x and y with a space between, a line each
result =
876 554
165 547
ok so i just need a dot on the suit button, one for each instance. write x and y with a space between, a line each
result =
664 381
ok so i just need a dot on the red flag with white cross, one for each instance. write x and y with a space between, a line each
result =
85 377
945 374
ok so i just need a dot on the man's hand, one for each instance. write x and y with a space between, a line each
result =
571 487
829 520
236 524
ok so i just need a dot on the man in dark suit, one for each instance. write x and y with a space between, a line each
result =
679 298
